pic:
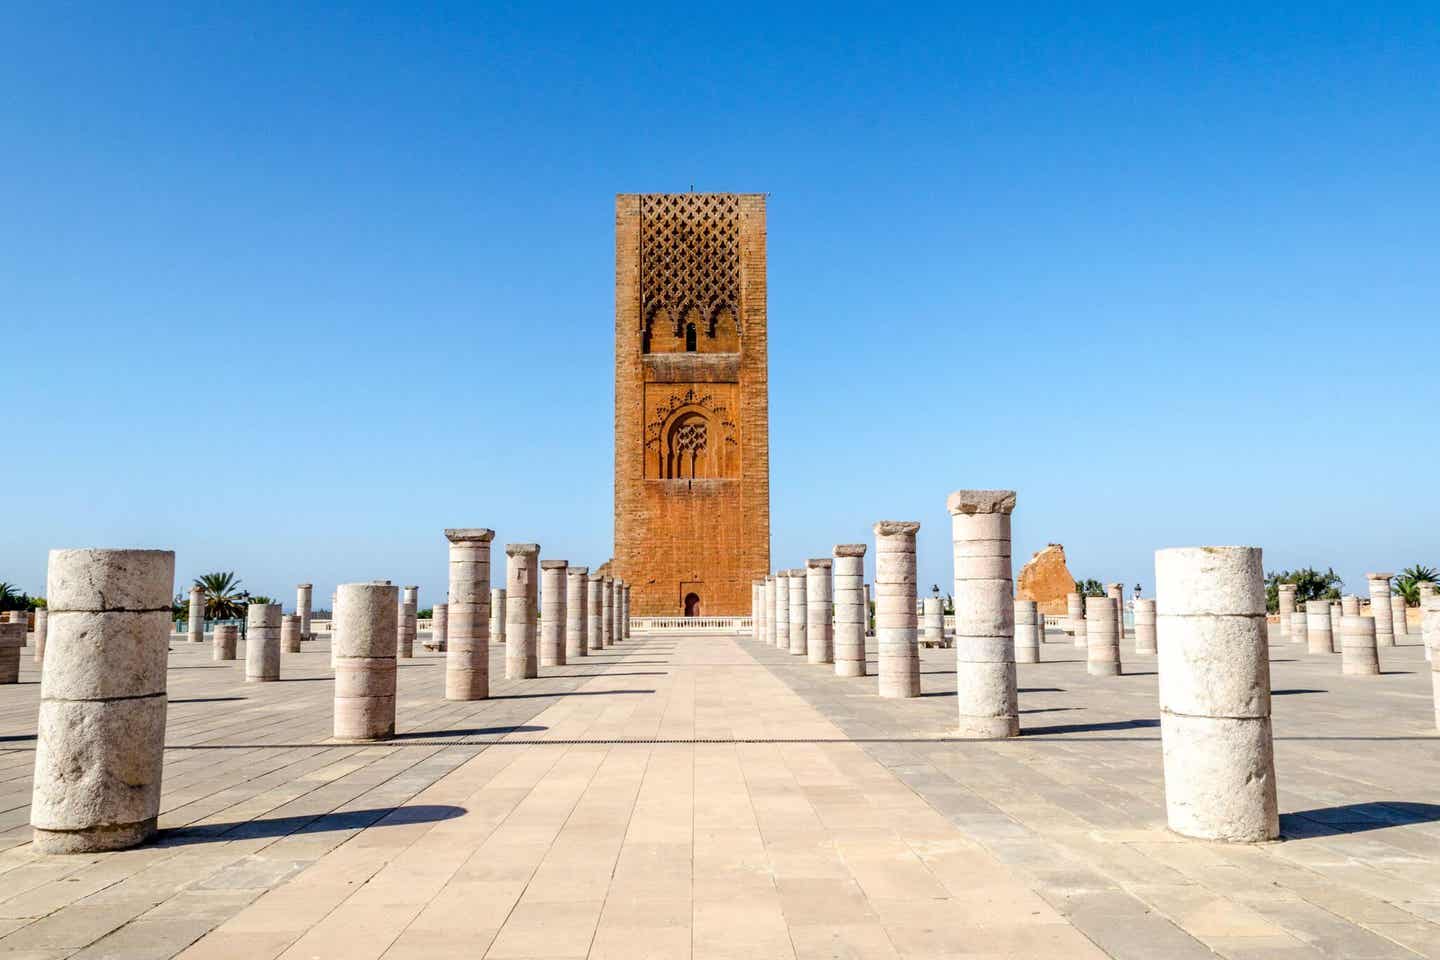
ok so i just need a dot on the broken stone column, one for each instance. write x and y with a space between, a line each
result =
552 612
799 613
1399 617
1215 694
1075 617
607 611
498 614
782 610
522 661
365 663
1298 628
262 642
1286 608
1144 625
625 613
933 625
12 638
440 626
769 601
865 621
467 657
196 627
819 612
757 610
1116 593
850 613
1102 643
1380 608
1027 631
407 622
1337 612
42 627
303 593
1317 626
224 641
1349 606
1358 654
617 629
595 611
101 730
577 613
895 627
984 613
290 633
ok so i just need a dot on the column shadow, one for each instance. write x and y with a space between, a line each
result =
1088 727
465 732
325 822
1356 818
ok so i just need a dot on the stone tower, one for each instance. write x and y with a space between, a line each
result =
692 422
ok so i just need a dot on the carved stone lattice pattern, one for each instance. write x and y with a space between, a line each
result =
690 437
689 256
675 401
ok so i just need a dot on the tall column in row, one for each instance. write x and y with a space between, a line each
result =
262 642
617 630
303 594
769 602
365 662
625 613
782 610
1358 656
1116 593
799 613
595 611
498 622
865 621
757 610
1215 694
1399 618
1102 643
196 628
101 732
290 633
819 612
407 625
1028 624
933 626
1317 626
895 627
577 620
1380 610
1144 625
42 632
1286 595
1075 615
552 612
984 613
521 591
850 613
1430 634
440 626
467 657
1337 612
607 618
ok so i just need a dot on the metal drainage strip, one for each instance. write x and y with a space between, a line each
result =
572 741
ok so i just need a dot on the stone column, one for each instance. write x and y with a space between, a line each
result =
769 601
618 630
440 626
1380 608
1075 615
1399 617
101 731
899 667
1298 631
42 628
984 613
406 622
607 612
498 624
865 620
552 612
1358 655
365 664
1430 631
12 639
1116 592
1144 625
1101 642
757 610
850 615
1027 631
262 642
933 626
290 633
467 655
303 593
625 612
799 613
1349 606
1215 694
1317 626
577 613
595 611
1336 614
334 626
782 610
224 641
819 612
197 615
522 661
1286 608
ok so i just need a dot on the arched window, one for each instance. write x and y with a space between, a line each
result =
690 338
687 447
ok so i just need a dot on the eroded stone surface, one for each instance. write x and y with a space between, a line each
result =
1046 579
467 659
895 627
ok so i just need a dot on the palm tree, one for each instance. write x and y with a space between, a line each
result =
224 600
262 600
1407 585
9 596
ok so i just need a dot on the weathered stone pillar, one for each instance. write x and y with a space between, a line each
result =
498 614
819 612
595 611
1075 617
1399 617
782 610
799 613
303 593
618 630
1358 654
522 661
607 611
1286 608
1102 645
899 666
467 657
1380 609
1215 694
625 613
1144 625
1430 631
1317 626
1349 606
101 730
757 610
262 642
1298 630
1116 592
334 626
552 612
984 613
196 627
12 638
1027 631
290 633
406 622
42 629
933 625
1336 614
224 641
440 626
865 608
365 663
850 613
577 613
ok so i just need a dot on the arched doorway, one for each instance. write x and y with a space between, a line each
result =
692 604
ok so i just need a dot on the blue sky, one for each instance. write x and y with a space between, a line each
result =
289 288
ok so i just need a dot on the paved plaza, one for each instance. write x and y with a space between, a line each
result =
714 797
